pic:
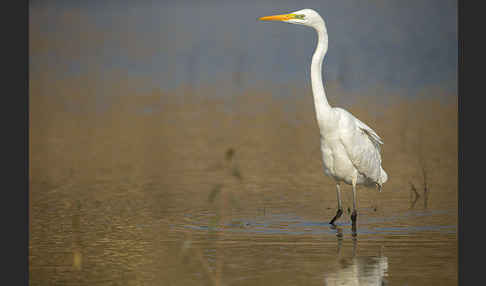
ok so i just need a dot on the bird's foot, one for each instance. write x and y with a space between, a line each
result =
339 213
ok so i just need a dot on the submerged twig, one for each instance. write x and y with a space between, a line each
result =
417 195
214 192
422 165
198 253
426 188
236 173
229 154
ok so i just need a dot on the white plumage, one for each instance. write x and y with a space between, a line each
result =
351 150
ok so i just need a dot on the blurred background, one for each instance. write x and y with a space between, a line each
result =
168 45
175 143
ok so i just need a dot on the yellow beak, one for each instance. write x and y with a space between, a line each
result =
283 17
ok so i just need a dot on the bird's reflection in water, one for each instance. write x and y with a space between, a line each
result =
356 269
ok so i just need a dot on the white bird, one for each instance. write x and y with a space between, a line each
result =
351 150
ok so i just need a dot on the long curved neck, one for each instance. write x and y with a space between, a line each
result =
320 101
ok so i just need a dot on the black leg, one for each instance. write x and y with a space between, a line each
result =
340 208
354 216
338 215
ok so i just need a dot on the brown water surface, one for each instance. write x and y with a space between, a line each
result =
198 191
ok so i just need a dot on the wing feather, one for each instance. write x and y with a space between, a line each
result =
363 147
374 138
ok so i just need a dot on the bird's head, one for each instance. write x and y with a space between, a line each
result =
306 17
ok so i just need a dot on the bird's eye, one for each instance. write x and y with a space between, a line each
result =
300 16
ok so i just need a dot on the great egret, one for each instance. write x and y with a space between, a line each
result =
351 150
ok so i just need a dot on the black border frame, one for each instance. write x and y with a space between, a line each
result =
15 23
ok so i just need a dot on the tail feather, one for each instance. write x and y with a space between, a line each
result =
383 179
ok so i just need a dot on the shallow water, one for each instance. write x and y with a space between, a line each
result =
148 235
131 200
